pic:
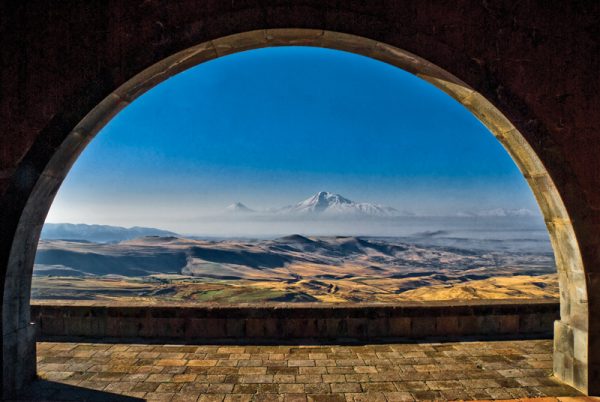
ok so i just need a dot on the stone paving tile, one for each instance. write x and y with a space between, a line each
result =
393 372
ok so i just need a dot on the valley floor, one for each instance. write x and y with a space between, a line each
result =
290 269
178 288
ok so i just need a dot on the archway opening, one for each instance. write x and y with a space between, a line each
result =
565 246
219 173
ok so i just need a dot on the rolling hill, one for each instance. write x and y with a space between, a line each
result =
98 233
290 268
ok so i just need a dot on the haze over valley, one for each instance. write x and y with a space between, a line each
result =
322 214
505 255
294 174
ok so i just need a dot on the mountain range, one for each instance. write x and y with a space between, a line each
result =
326 204
323 204
292 268
499 212
98 233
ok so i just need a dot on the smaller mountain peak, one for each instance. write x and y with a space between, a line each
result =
296 238
238 207
498 212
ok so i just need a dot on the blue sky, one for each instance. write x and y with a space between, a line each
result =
270 127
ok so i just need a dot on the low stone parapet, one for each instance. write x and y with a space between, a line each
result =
290 321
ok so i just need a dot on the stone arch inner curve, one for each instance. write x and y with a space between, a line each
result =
571 343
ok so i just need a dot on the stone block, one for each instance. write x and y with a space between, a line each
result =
117 327
423 326
332 328
293 326
580 375
254 328
52 325
468 324
196 328
235 328
169 327
214 328
294 37
236 43
400 326
497 123
343 41
547 322
530 323
509 324
147 327
563 338
487 324
378 327
79 325
19 359
563 367
164 69
273 328
447 325
522 153
357 328
580 345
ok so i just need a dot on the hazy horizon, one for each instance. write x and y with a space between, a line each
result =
271 223
271 127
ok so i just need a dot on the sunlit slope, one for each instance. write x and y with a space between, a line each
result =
291 269
514 287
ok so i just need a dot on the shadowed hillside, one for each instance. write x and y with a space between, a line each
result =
290 268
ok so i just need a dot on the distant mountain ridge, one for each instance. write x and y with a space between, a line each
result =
331 205
499 212
238 207
98 233
324 204
289 268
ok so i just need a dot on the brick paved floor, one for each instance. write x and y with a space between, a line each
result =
388 372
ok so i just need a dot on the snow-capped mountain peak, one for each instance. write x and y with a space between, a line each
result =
326 203
238 207
322 201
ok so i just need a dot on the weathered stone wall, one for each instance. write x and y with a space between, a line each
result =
284 321
536 62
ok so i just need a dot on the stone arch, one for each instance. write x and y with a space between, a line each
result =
18 352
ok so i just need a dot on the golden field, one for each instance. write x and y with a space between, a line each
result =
289 269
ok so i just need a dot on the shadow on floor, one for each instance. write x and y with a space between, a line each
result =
42 390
